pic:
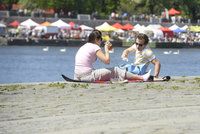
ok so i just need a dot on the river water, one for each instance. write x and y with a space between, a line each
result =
22 64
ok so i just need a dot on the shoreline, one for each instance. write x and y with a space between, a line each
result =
49 82
80 42
62 107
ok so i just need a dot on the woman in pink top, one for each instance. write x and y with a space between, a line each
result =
88 54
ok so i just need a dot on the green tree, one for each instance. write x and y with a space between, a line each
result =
190 9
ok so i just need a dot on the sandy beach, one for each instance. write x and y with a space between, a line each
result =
71 108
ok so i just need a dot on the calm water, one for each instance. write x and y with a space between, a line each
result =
32 64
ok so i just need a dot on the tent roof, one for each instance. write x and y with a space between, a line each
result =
14 24
117 25
127 27
84 27
140 29
184 27
165 29
158 33
167 32
60 24
2 25
71 23
154 26
119 31
194 28
174 27
29 23
105 27
46 23
179 30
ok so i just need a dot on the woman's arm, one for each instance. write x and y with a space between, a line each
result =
104 57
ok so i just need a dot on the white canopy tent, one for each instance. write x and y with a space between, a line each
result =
154 26
119 31
61 24
139 28
2 25
29 23
177 29
136 26
174 27
157 33
184 27
86 28
150 30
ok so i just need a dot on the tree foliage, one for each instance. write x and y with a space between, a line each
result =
190 9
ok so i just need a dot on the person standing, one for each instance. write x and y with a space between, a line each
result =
143 56
88 54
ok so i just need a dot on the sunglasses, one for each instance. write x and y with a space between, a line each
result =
138 44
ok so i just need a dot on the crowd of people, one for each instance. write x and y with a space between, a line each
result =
186 37
127 36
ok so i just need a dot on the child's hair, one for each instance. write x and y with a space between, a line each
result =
95 34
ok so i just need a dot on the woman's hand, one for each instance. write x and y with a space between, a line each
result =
107 46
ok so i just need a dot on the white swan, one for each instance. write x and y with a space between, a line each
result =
46 49
63 50
167 52
176 52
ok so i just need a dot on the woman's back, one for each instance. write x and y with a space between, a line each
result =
85 57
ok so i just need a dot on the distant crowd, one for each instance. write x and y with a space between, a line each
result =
127 36
77 32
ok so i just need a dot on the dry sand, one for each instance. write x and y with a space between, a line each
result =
140 108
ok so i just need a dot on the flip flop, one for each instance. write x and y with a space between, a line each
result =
166 78
151 78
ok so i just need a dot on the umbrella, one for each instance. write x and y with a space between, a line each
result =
173 11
